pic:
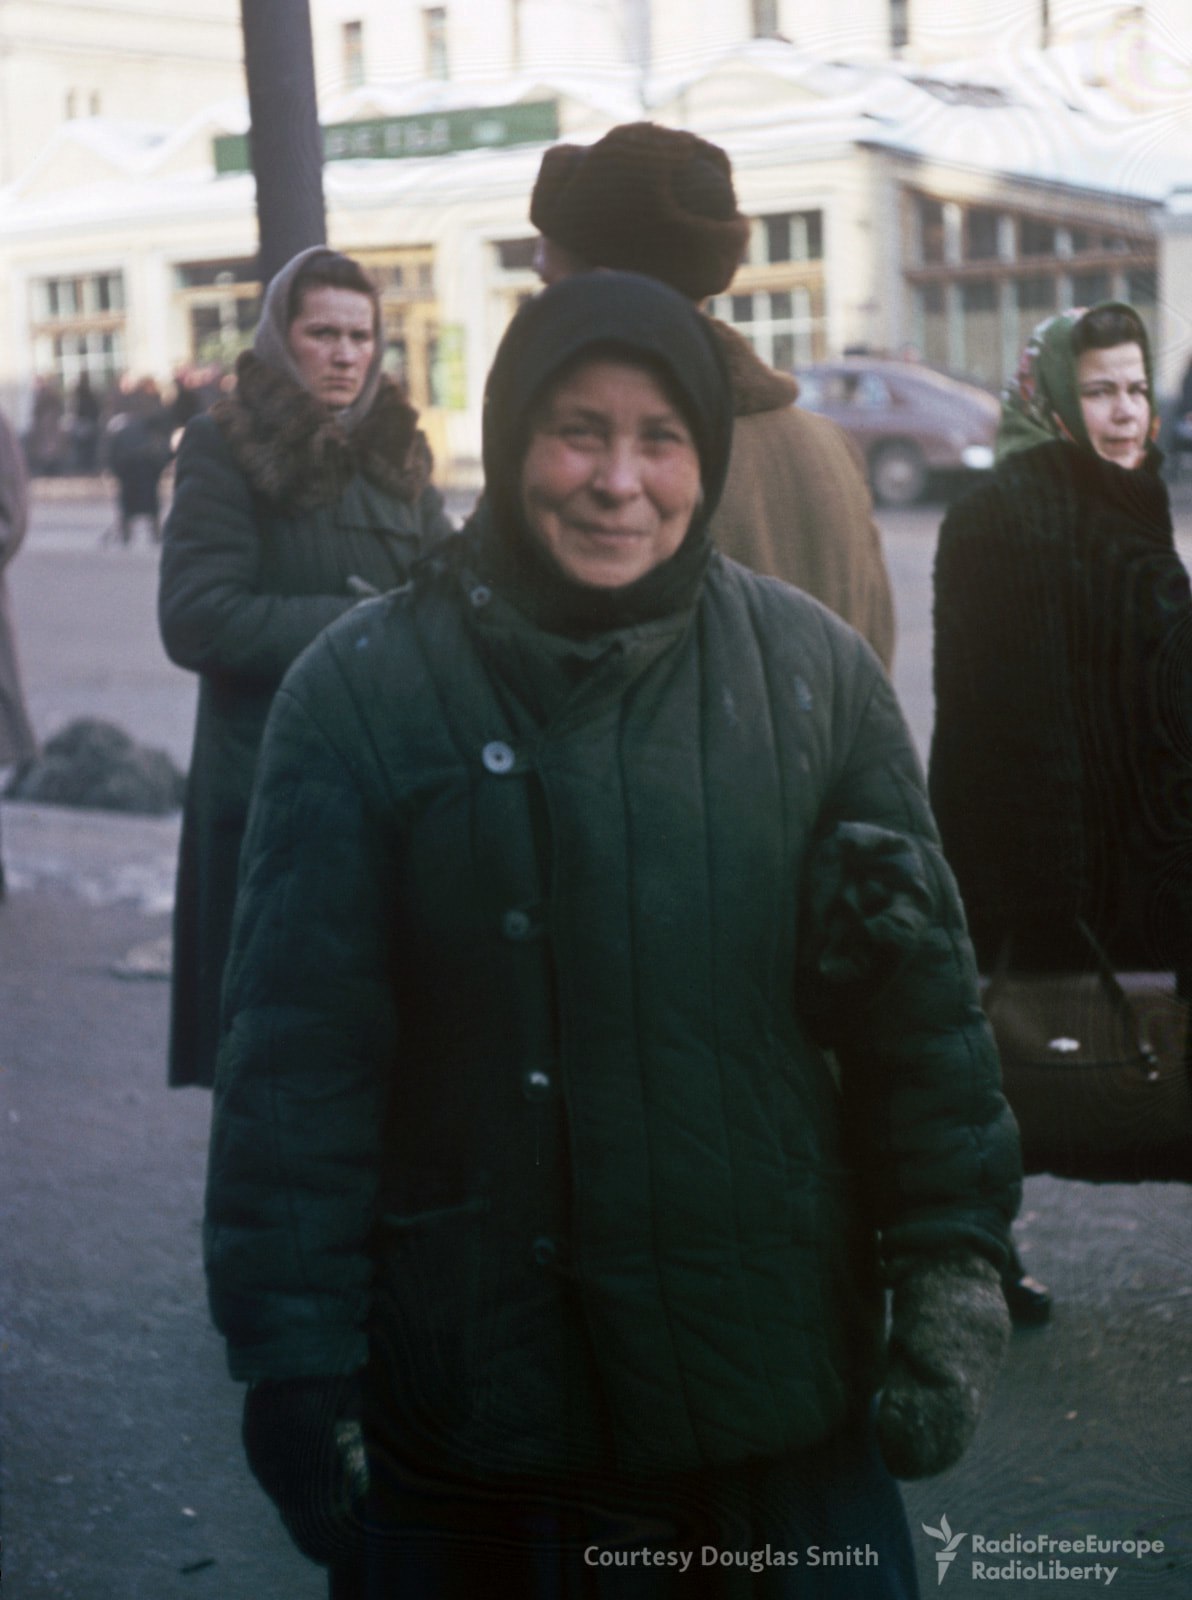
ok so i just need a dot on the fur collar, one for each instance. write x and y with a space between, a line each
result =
755 386
292 451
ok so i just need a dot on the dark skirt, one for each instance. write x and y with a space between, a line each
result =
829 1525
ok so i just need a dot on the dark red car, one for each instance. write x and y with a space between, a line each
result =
910 422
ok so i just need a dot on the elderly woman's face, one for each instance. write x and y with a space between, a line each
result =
611 476
1114 402
332 340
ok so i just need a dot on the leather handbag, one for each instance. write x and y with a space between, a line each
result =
1095 1067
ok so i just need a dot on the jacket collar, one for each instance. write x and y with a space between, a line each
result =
755 386
557 682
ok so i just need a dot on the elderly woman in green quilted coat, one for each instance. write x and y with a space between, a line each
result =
601 1042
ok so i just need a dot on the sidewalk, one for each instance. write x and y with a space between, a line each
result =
104 857
122 1473
122 1476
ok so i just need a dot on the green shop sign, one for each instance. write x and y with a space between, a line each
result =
432 133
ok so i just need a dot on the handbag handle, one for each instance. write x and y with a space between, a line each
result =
1148 1056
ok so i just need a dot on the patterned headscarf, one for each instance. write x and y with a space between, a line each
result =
1042 401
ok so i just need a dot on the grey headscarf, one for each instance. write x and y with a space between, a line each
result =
271 344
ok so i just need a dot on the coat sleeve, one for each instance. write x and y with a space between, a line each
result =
309 1033
214 616
1005 770
889 983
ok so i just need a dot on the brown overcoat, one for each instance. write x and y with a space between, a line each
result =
17 739
796 504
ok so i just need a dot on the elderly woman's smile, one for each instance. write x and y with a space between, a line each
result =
611 476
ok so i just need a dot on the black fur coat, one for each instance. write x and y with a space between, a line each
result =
1061 761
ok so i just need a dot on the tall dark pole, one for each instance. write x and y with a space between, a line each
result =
286 141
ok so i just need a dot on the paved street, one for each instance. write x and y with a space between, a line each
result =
122 1474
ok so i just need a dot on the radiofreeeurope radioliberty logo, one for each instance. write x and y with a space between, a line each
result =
951 1544
1036 1557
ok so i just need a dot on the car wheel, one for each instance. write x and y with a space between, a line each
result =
898 474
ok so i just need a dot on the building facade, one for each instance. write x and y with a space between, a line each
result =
895 202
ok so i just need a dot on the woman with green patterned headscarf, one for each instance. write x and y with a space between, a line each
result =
1064 381
1061 760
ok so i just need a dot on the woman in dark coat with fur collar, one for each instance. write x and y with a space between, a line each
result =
568 865
1061 760
303 489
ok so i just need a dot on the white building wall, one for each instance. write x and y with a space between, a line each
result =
460 206
550 35
139 59
859 30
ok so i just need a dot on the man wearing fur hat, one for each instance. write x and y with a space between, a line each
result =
660 201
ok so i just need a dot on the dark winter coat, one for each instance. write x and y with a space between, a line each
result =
274 509
1061 761
138 451
560 978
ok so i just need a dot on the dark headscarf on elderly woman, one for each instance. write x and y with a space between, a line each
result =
1042 401
599 315
271 343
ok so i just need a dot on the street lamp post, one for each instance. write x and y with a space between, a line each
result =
285 138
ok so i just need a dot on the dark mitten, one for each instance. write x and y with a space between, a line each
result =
305 1446
947 1338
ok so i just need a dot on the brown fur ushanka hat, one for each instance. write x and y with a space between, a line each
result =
646 199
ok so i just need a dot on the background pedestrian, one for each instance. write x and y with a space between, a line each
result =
1060 760
137 453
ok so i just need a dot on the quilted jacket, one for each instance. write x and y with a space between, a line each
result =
600 1028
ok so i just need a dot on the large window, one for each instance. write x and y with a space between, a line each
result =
929 216
777 297
353 54
434 33
764 18
900 24
409 316
982 277
77 324
222 301
1036 299
513 278
981 234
